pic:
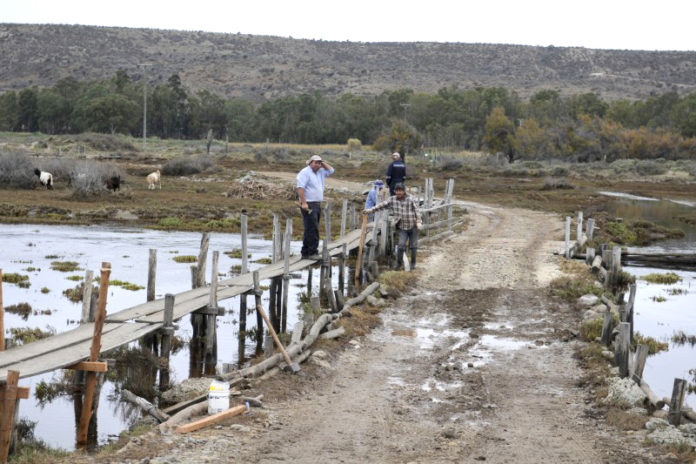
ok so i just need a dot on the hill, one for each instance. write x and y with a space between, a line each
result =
264 67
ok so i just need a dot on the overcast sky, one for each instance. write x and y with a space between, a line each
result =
608 24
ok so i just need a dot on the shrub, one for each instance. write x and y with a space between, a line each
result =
187 165
650 168
551 183
185 259
668 278
354 145
16 171
89 177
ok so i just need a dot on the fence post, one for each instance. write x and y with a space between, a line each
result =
590 229
202 258
567 237
286 274
344 212
166 344
578 233
639 364
675 404
623 349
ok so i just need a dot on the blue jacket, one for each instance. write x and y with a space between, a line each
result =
396 172
371 198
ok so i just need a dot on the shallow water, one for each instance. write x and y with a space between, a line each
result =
661 320
127 250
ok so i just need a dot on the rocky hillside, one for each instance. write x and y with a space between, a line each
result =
262 67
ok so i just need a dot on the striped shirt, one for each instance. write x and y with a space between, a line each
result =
405 211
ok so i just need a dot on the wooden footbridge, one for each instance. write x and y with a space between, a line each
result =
70 347
79 349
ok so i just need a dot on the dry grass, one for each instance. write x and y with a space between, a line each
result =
396 282
363 319
625 420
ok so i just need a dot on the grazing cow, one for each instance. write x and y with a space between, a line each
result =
46 178
113 183
154 179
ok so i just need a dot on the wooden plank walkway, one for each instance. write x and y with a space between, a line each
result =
130 324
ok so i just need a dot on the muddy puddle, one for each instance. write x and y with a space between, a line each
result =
30 250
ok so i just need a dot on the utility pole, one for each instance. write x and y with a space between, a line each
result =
144 114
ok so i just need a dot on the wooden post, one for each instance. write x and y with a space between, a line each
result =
353 218
358 262
86 296
384 218
623 349
151 273
344 211
607 327
2 321
615 269
257 302
245 258
567 237
211 316
11 394
629 307
341 269
286 275
276 239
578 232
202 258
589 256
589 231
675 404
91 382
639 364
166 343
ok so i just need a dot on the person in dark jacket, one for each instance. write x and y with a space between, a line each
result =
396 172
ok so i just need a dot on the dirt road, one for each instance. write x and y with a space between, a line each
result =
474 364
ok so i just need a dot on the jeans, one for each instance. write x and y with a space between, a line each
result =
310 219
412 236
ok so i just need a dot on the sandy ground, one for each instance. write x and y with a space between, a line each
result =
475 363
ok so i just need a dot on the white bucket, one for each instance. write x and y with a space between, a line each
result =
218 397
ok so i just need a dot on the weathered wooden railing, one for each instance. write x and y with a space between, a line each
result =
606 265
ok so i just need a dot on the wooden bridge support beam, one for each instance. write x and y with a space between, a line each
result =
10 394
91 381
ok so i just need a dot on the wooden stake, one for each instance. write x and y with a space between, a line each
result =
358 262
151 274
87 297
94 355
202 258
675 405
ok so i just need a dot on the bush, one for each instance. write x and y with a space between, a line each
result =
650 168
354 145
89 177
187 166
16 171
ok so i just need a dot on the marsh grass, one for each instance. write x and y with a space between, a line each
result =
65 266
22 309
185 259
654 346
396 282
126 285
21 280
668 278
24 335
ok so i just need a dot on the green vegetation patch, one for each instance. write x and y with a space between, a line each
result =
591 329
236 253
185 259
65 266
264 261
24 335
74 294
653 345
75 278
126 285
20 280
658 299
668 278
45 290
22 309
639 233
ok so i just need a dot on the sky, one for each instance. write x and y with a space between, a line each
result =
604 24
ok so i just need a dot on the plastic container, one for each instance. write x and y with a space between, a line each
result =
218 397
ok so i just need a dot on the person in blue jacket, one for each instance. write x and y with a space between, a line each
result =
396 172
373 197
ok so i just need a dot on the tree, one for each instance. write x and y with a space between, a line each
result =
112 113
28 110
500 133
9 111
400 137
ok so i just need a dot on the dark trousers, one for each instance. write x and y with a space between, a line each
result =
310 219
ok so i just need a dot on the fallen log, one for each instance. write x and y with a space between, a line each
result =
145 405
184 415
652 402
335 333
214 419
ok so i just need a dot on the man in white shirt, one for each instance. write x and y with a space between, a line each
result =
310 190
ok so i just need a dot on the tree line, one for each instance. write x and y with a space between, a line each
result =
547 125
